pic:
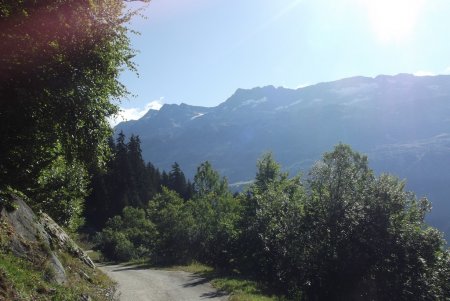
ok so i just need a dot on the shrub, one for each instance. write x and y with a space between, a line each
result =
126 237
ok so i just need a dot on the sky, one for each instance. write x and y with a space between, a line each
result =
200 51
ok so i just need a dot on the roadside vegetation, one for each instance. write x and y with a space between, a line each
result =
238 287
29 277
60 63
342 233
339 233
22 280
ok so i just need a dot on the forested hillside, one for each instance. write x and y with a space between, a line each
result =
129 181
339 233
401 122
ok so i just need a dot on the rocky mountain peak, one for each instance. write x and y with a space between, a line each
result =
394 119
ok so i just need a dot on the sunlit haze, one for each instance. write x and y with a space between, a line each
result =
200 51
394 21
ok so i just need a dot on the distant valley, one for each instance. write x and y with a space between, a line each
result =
401 122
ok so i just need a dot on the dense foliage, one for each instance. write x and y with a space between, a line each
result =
62 191
128 181
128 236
343 234
59 68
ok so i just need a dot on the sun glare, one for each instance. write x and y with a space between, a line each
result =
393 20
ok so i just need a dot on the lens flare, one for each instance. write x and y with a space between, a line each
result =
393 20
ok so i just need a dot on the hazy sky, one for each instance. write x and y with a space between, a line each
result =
200 51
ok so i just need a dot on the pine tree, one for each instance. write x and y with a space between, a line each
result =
138 191
164 180
189 193
154 180
177 180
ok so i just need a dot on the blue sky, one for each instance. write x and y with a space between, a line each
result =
200 51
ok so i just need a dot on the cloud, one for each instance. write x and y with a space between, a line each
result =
424 73
135 113
447 70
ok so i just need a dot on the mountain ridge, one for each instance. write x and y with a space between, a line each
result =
400 121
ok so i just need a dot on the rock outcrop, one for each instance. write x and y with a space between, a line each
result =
37 238
59 239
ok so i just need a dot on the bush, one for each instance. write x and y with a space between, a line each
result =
127 237
174 224
345 235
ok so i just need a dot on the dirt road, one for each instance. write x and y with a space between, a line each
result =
143 284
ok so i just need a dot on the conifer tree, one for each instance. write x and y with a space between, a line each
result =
154 180
177 180
139 182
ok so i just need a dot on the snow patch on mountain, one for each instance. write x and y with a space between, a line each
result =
197 116
289 105
251 102
353 90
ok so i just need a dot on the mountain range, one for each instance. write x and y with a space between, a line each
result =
401 122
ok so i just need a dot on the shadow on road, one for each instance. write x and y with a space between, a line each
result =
134 267
196 281
214 294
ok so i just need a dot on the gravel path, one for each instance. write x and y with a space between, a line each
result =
143 284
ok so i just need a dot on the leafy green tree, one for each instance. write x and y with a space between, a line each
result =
203 228
59 70
207 181
339 187
173 223
273 214
412 253
365 237
128 236
268 171
62 190
214 232
348 235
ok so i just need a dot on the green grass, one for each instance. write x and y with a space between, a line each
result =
29 282
239 288
242 289
194 267
84 280
95 256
